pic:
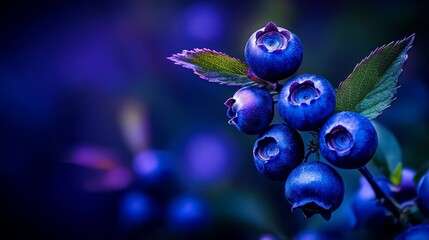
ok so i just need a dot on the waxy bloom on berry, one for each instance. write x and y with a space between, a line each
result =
348 140
278 151
250 110
306 102
316 188
273 53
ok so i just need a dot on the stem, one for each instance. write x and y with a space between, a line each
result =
278 87
307 155
379 194
274 86
312 147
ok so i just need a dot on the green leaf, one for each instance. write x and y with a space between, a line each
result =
396 175
214 66
372 85
388 157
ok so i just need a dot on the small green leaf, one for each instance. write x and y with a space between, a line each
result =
214 66
396 175
388 157
371 87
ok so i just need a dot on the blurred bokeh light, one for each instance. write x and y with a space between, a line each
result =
104 138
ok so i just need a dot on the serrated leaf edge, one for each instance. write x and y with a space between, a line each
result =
185 53
405 50
409 45
196 69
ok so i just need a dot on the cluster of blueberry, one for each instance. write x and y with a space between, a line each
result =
306 103
373 216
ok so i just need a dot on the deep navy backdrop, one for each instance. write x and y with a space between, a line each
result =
86 93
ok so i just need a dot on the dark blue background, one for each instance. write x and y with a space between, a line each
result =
70 71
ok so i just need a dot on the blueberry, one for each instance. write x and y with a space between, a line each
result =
368 211
417 232
306 102
316 188
348 140
273 53
278 151
250 110
423 194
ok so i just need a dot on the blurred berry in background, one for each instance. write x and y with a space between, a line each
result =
188 214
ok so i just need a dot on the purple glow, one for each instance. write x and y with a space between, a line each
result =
267 236
95 157
207 153
366 192
118 178
204 22
152 167
111 180
103 170
407 190
146 162
408 175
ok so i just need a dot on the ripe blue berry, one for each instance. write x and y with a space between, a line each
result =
250 110
368 211
316 188
273 53
348 140
423 194
417 232
306 102
278 151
